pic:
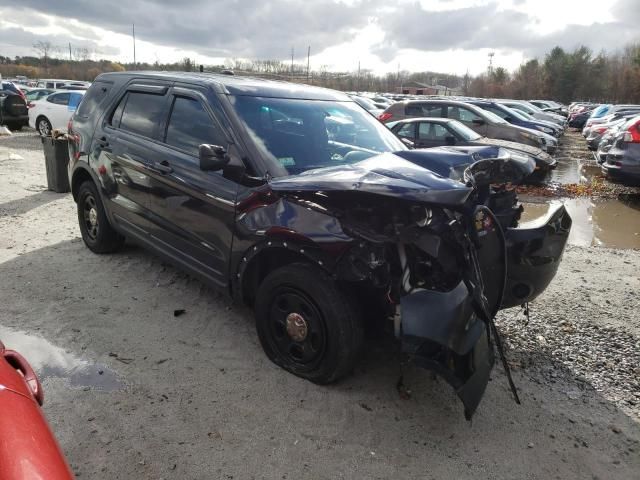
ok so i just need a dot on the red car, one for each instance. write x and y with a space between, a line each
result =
28 449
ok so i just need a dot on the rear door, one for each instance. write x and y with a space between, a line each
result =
432 134
124 145
193 210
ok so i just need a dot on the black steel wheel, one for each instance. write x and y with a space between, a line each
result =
97 232
306 324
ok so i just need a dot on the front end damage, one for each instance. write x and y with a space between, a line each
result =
438 267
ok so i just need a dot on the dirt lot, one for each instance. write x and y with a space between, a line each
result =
133 391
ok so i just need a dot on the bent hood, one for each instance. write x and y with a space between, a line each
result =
536 152
385 174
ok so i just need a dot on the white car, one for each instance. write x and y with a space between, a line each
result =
54 111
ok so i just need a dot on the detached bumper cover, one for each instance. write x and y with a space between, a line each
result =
442 333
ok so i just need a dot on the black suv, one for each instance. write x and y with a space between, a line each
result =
13 107
297 201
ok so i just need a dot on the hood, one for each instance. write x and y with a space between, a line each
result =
518 147
386 174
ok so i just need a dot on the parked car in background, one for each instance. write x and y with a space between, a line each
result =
256 188
54 83
534 111
11 87
623 158
579 118
481 121
28 448
367 104
54 111
439 132
75 86
516 117
37 94
13 110
606 141
613 112
551 106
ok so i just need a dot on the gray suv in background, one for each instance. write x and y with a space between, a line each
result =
481 121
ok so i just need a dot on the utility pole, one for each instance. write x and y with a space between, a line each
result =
70 59
308 55
358 78
133 32
292 63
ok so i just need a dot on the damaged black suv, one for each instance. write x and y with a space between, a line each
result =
297 201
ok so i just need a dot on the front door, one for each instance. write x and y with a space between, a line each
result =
193 210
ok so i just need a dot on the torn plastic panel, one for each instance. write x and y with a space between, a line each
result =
442 333
534 251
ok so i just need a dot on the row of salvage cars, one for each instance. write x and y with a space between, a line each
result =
613 133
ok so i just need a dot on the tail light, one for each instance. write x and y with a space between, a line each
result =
384 116
600 129
632 135
31 105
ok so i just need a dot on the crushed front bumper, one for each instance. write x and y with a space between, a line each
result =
443 332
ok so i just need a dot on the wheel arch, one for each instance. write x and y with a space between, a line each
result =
264 257
78 177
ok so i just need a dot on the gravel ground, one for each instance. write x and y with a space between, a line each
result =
194 396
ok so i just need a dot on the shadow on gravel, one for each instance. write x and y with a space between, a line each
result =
24 140
203 377
24 204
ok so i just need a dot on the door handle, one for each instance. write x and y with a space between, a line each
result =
103 142
163 167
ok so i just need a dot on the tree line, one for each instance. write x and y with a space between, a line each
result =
561 75
566 76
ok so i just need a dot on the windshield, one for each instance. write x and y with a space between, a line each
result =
493 117
301 135
464 131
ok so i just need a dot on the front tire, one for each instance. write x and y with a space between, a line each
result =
97 233
306 325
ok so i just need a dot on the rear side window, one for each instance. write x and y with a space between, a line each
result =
462 114
190 126
424 110
59 98
141 113
94 96
407 131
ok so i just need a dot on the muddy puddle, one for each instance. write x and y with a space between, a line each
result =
575 170
50 361
596 222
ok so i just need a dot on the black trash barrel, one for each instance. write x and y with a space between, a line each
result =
56 158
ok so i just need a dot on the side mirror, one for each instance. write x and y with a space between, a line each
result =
450 140
212 157
407 142
477 121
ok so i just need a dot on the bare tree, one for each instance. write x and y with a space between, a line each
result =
45 50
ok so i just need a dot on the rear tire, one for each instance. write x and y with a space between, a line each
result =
43 125
306 325
97 233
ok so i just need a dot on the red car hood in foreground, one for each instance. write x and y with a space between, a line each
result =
28 449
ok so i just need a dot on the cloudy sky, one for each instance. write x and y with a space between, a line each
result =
451 36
